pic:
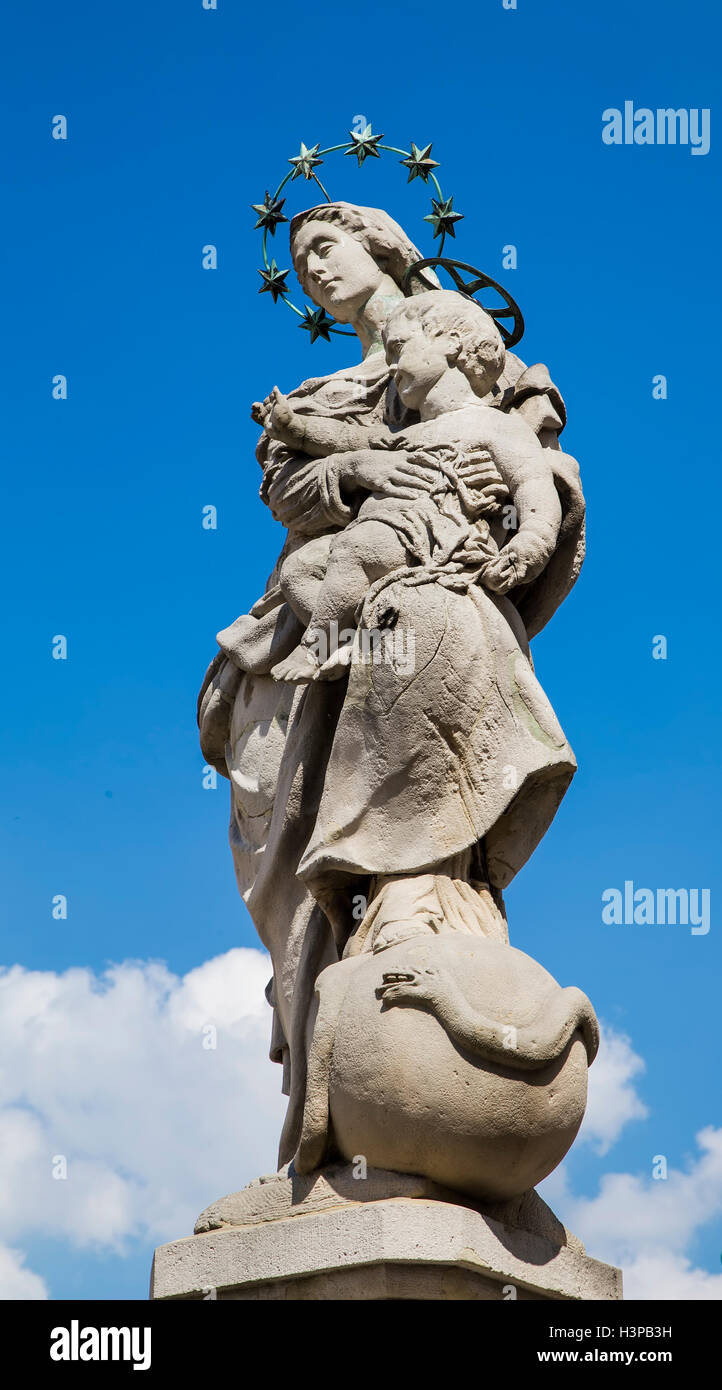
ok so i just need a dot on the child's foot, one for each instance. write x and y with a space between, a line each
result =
336 664
299 668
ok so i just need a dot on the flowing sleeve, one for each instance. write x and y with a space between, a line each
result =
531 393
304 494
538 401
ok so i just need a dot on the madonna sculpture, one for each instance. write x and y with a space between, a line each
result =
393 760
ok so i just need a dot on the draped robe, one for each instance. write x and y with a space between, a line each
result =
343 790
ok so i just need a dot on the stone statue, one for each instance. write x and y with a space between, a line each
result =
393 760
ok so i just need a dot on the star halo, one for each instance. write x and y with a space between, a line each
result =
363 144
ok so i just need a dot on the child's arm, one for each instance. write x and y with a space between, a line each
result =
315 435
526 470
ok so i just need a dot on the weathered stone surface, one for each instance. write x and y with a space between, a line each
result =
393 762
280 1196
482 1087
396 1248
393 759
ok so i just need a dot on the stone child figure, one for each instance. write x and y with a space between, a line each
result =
445 354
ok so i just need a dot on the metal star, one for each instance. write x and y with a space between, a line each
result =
269 213
364 145
419 164
304 162
318 323
274 281
443 217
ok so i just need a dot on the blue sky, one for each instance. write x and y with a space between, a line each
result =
178 119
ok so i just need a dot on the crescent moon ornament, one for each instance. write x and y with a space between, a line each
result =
470 289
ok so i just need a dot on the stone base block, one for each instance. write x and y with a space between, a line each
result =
327 1245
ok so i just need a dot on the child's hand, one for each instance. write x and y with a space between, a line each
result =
260 410
520 561
281 421
281 415
278 418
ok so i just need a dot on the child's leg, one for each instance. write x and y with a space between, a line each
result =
303 573
359 556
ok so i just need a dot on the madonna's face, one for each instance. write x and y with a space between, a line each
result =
334 269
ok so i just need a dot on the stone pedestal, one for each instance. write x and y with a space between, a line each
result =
386 1236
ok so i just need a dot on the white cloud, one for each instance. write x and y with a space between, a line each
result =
15 1280
111 1073
613 1100
646 1225
664 1275
633 1212
643 1224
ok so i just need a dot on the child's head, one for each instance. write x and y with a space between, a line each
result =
434 331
